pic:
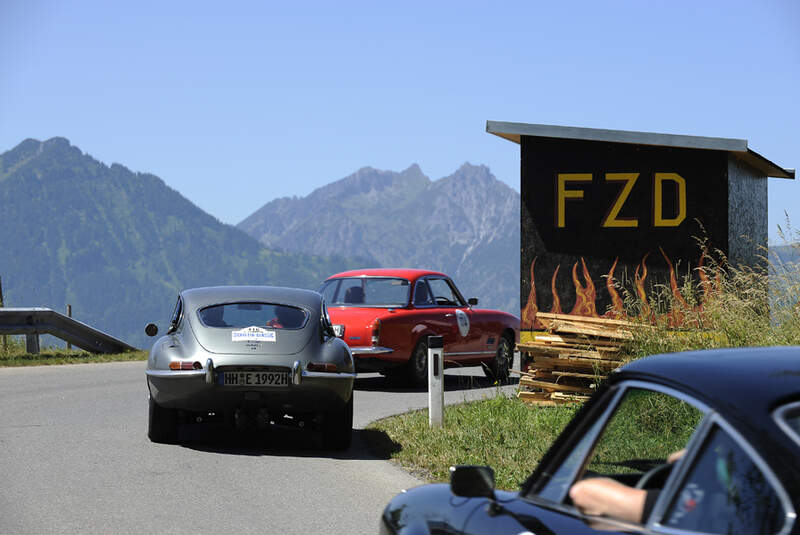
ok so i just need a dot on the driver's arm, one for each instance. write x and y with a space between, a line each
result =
603 496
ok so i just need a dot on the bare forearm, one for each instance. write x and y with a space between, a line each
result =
605 497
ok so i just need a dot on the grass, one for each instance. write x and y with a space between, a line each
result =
503 432
731 306
13 355
647 425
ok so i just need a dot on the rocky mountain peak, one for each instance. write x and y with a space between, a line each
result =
458 224
14 158
59 143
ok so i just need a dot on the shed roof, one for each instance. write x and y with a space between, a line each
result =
737 147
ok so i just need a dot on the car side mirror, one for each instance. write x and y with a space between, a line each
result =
151 329
473 301
471 481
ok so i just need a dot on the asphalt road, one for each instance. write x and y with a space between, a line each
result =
75 458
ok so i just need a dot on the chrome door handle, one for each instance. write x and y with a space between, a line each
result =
448 315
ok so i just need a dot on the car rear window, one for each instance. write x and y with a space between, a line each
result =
240 315
366 291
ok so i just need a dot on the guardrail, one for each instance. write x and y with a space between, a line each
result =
35 321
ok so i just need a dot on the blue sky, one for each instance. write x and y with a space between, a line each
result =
236 103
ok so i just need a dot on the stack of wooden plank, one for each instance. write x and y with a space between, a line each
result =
571 357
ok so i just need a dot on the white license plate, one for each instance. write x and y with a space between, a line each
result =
253 379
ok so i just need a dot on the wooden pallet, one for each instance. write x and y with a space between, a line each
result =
572 357
560 339
605 322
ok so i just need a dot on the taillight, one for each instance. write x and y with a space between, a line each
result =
322 367
376 331
178 365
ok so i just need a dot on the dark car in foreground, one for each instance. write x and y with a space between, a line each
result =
254 355
733 416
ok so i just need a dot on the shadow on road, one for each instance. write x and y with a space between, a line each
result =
277 441
282 442
452 382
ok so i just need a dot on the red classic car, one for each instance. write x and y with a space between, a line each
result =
386 316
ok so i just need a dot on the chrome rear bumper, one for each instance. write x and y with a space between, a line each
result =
199 389
369 351
298 374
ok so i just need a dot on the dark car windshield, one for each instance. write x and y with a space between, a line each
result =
366 291
241 315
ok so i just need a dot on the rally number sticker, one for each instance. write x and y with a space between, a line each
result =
463 322
253 334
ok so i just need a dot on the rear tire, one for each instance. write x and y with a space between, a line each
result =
337 432
500 365
162 423
418 365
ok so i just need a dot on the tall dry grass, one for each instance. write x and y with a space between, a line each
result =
724 306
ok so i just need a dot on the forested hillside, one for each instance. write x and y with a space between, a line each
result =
119 245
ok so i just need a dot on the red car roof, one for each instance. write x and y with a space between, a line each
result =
405 273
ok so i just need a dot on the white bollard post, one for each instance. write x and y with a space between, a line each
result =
435 381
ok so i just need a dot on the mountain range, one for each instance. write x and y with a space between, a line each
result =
465 224
118 245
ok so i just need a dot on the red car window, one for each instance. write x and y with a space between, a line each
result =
367 291
443 293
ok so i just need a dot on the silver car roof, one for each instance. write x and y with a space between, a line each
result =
196 298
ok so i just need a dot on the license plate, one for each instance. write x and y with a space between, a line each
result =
253 379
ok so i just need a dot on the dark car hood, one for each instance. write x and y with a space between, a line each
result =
427 507
434 509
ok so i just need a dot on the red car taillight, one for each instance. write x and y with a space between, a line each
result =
178 365
376 331
322 367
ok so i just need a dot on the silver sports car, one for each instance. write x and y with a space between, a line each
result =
255 356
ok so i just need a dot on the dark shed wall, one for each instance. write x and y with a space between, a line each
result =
567 261
747 209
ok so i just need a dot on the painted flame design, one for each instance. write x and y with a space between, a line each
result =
584 295
528 316
677 315
639 284
556 309
617 309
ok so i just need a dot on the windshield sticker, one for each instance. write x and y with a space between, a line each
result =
463 322
690 497
253 334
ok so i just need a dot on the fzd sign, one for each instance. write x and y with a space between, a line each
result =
598 217
627 181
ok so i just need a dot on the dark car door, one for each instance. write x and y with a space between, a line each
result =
520 517
622 438
703 475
